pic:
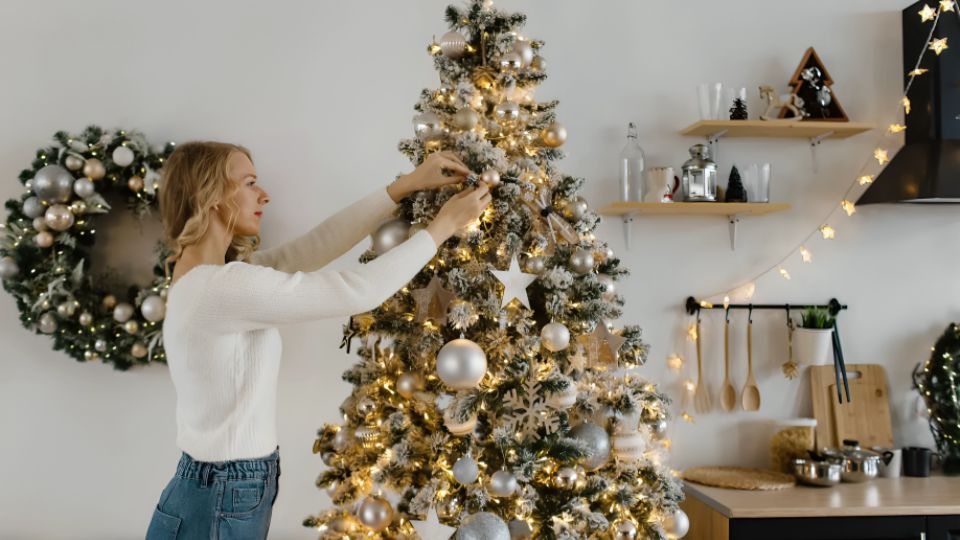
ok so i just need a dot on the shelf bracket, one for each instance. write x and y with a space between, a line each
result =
713 141
627 221
733 219
814 143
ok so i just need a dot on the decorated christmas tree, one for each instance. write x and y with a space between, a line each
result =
490 401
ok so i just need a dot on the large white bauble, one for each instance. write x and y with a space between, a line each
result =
122 156
153 308
389 235
555 336
461 364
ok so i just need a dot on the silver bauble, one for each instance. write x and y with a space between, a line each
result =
415 228
576 208
131 326
44 239
624 529
581 261
466 470
536 265
329 458
40 224
45 304
427 126
507 112
659 428
597 441
389 235
58 217
83 187
524 50
53 184
66 310
676 525
483 526
86 318
520 530
409 383
32 207
609 254
511 61
366 406
8 268
566 478
122 312
94 169
100 345
138 350
153 308
609 286
461 364
453 45
342 439
490 177
555 336
73 162
122 156
502 484
375 512
554 135
47 323
466 118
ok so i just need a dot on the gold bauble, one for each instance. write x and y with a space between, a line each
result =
44 239
131 327
78 207
466 118
40 224
109 301
94 169
135 183
554 135
73 162
623 529
566 478
484 77
90 356
139 350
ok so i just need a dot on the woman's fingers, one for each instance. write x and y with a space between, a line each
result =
455 168
450 154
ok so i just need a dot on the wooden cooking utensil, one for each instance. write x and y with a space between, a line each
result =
728 396
751 394
701 399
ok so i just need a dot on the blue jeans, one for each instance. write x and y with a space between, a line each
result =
223 500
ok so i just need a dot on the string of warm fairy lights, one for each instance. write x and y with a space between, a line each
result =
827 231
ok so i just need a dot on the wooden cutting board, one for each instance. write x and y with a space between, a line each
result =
865 418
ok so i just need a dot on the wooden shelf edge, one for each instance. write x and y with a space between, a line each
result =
776 128
620 208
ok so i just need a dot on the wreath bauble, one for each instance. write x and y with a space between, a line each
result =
47 245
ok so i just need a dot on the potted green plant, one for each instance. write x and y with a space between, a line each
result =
812 339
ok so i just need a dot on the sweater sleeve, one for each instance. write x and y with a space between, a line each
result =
330 239
240 297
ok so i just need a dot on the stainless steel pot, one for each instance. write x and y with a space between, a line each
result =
817 473
857 465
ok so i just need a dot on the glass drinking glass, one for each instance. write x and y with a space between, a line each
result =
709 96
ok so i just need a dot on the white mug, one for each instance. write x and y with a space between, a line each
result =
660 184
890 468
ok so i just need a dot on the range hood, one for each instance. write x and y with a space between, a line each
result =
927 168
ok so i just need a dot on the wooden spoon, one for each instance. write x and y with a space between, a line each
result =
728 397
701 399
751 394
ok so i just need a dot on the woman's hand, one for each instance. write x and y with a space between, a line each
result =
459 211
439 169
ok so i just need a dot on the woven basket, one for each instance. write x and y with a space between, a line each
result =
739 478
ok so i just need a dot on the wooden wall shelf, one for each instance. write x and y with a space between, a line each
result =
628 210
813 130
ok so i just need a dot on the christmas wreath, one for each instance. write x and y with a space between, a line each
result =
47 246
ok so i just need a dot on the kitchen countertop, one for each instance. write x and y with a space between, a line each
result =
934 495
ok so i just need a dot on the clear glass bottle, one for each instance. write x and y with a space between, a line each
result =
631 167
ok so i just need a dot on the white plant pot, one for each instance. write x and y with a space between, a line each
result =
813 346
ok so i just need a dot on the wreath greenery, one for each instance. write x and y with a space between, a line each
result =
47 245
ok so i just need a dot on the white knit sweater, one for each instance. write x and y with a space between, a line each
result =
220 332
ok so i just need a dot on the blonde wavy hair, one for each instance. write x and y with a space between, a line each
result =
194 179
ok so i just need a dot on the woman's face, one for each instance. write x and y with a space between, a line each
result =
250 198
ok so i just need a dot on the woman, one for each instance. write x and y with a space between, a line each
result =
225 303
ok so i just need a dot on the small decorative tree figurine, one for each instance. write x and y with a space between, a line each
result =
739 109
811 83
735 191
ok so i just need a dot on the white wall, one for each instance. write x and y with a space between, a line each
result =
322 91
